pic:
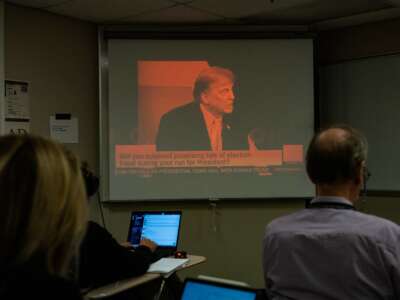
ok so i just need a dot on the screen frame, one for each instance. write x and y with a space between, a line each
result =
193 32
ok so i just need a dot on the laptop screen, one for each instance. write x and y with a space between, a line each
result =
196 289
160 227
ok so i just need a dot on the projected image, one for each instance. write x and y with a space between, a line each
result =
203 124
189 120
190 110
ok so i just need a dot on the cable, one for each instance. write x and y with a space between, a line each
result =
214 214
101 210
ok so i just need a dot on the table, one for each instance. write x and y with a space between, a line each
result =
129 283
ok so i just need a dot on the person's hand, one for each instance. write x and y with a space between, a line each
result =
126 245
148 243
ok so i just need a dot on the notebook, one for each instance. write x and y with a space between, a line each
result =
167 265
196 289
162 227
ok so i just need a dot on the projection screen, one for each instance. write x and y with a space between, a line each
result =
161 99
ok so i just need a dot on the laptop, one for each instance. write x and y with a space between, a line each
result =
162 227
195 289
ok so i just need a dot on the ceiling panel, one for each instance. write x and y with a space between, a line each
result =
375 16
271 12
322 10
244 8
176 14
36 3
103 11
394 2
181 1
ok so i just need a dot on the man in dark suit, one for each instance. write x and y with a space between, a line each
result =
203 123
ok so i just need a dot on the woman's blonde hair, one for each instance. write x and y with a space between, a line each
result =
43 208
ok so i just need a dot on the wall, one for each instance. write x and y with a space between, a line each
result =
58 56
360 41
1 65
371 49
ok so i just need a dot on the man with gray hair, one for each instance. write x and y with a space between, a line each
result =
203 123
329 250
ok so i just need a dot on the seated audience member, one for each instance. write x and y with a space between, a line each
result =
329 250
43 217
102 259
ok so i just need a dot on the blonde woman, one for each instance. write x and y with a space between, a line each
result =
43 216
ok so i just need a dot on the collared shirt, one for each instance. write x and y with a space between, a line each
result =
331 200
214 128
332 253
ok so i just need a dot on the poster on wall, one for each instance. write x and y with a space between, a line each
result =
64 128
16 107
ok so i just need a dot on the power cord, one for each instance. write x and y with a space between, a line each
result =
99 203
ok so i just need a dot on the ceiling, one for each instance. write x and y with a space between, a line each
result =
316 14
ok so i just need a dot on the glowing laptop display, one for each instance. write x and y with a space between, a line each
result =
162 227
196 289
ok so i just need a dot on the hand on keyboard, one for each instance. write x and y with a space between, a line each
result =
148 243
